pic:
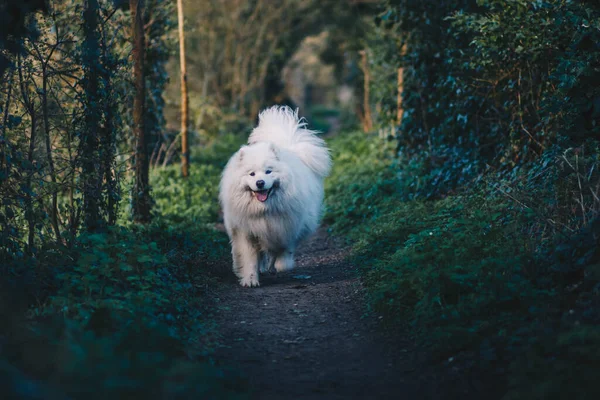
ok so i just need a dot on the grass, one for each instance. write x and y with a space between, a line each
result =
481 272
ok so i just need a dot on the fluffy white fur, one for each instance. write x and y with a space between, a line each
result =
271 193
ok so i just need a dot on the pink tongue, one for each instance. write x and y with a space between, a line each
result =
262 196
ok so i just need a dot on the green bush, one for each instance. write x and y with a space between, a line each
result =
486 82
125 312
362 169
117 270
320 116
455 268
504 268
194 199
110 357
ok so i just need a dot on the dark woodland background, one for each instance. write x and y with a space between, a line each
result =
465 136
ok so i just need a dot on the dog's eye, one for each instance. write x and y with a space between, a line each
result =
268 171
252 174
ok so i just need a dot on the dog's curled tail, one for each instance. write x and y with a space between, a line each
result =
282 126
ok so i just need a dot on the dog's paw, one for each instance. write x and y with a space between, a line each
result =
249 281
284 262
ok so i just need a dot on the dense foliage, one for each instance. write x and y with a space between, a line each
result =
499 275
124 312
486 82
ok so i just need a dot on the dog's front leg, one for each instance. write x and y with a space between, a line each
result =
245 260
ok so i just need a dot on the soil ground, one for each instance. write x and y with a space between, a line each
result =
303 334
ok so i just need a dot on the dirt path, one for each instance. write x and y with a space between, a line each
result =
302 335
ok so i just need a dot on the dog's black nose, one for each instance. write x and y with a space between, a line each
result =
260 184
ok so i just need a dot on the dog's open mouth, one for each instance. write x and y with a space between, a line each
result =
262 195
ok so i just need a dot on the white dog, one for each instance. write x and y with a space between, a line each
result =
271 193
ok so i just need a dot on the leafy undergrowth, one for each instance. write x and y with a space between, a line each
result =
125 313
503 272
194 200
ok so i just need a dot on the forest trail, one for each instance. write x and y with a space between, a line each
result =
302 334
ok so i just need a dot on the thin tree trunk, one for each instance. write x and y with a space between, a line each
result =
400 87
108 136
185 148
367 120
399 108
73 215
73 218
28 190
162 150
112 188
54 206
154 154
141 202
29 198
3 163
169 153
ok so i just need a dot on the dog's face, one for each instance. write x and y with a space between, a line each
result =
261 170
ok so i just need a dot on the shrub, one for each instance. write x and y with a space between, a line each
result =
486 81
504 269
124 312
363 168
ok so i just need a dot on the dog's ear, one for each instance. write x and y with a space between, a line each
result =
274 150
241 154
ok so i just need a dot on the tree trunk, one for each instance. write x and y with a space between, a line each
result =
30 107
141 201
367 119
89 145
399 108
185 148
3 164
54 206
109 137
